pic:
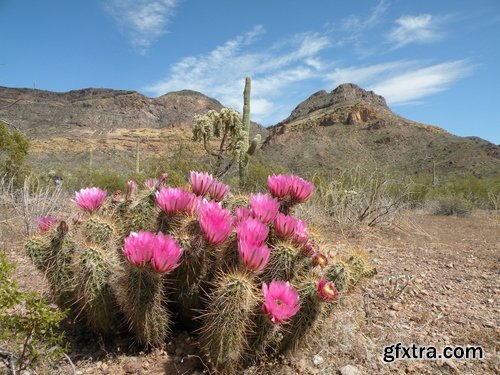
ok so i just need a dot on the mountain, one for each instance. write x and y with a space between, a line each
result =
328 132
349 127
64 127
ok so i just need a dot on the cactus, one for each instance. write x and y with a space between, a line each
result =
112 265
137 156
227 321
141 297
92 269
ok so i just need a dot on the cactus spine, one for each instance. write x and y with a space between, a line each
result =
228 321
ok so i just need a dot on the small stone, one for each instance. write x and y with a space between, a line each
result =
131 367
318 360
449 265
349 370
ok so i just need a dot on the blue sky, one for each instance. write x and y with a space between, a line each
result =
436 62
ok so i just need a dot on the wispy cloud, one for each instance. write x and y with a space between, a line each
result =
423 28
144 21
274 71
408 86
404 81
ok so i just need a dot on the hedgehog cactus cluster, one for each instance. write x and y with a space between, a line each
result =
244 268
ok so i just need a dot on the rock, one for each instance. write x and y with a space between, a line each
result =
318 360
131 367
349 370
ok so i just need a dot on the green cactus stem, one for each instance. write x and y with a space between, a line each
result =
140 294
227 321
340 274
281 265
92 270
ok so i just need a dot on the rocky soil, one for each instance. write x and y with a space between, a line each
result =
437 284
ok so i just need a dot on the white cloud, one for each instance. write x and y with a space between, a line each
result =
220 73
409 86
144 21
415 29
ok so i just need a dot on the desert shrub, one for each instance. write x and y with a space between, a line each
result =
14 148
259 169
450 206
243 267
356 198
34 199
28 326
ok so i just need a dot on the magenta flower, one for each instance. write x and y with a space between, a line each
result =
138 247
166 253
281 301
254 257
45 223
218 190
301 235
264 207
216 222
243 213
151 184
200 182
308 249
327 290
131 189
252 232
300 189
90 199
174 200
279 185
284 225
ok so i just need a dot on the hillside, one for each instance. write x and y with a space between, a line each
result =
350 126
64 127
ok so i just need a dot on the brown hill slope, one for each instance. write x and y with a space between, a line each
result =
350 126
63 127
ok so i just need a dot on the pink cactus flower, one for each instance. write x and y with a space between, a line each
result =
200 182
131 189
243 213
252 232
264 207
166 253
45 223
300 189
90 199
327 290
284 225
281 301
301 235
254 257
279 185
175 200
308 249
216 222
320 259
138 247
218 190
151 184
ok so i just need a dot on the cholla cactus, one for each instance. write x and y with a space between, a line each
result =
242 267
233 129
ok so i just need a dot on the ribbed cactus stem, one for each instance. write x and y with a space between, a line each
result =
140 294
227 321
243 162
92 270
137 156
305 321
282 264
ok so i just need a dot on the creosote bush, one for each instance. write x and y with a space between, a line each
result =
241 270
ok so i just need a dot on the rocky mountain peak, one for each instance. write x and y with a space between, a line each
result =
344 94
